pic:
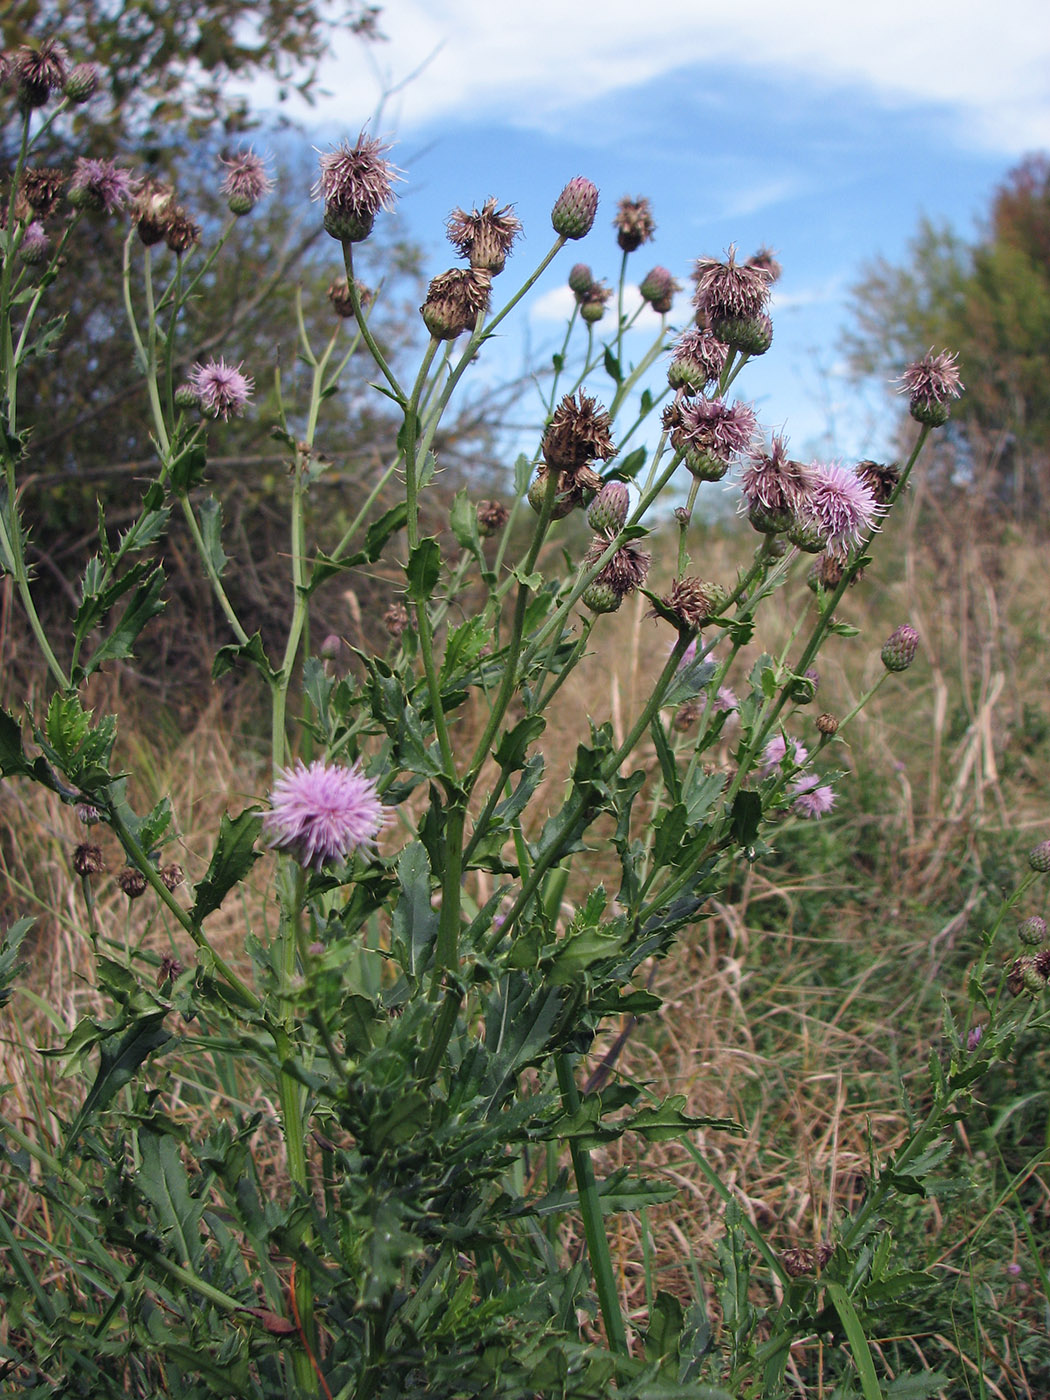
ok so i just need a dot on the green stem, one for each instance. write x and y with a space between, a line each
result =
591 1212
366 333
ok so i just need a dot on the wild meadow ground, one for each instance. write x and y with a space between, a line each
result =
804 1005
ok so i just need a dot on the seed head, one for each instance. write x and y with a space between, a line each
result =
181 233
38 72
153 211
171 876
575 208
882 478
625 571
87 815
42 188
693 602
484 237
82 83
775 484
658 288
708 433
578 433
593 302
170 968
132 882
245 182
633 223
87 860
396 619
898 650
355 184
1039 858
931 383
766 260
827 725
492 516
697 360
221 389
324 812
454 301
101 186
730 289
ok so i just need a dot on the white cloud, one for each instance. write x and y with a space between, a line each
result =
533 64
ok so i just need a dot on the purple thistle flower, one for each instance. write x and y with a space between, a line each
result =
697 360
355 184
932 381
811 797
35 247
323 812
730 289
708 432
221 389
775 752
973 1037
100 185
772 482
246 181
841 508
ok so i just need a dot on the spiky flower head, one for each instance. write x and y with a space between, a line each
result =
42 188
171 876
355 184
600 597
580 279
322 813
730 289
454 301
221 389
697 360
778 750
82 83
882 477
35 247
775 487
693 602
342 302
132 882
396 619
38 72
484 237
827 725
608 511
634 223
575 208
708 433
578 433
840 509
593 302
1032 930
153 210
625 571
88 859
181 233
658 288
87 813
931 383
101 186
1039 858
899 648
766 260
492 516
246 181
810 797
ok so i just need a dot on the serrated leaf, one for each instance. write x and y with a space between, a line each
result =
414 921
612 366
251 651
143 605
188 468
423 569
511 750
211 533
463 518
233 857
118 1064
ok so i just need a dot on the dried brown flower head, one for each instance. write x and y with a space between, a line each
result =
153 210
87 859
132 882
396 619
339 296
454 301
171 876
484 237
492 516
729 289
43 188
634 223
774 486
625 571
39 71
181 233
693 602
578 433
708 433
697 360
881 478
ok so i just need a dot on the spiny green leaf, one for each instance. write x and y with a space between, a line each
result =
233 857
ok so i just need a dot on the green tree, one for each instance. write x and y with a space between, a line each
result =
989 301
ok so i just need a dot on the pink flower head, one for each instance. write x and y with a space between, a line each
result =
974 1036
355 184
841 508
100 185
811 797
323 812
697 360
934 378
221 389
772 482
776 751
710 428
246 181
730 289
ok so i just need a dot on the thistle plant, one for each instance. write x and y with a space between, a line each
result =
444 954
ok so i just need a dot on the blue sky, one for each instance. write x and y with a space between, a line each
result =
822 133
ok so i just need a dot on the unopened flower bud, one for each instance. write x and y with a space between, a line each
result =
608 511
186 396
1039 858
828 725
658 289
171 876
396 619
601 597
575 208
898 651
580 278
87 860
35 247
1032 930
753 335
82 83
87 814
